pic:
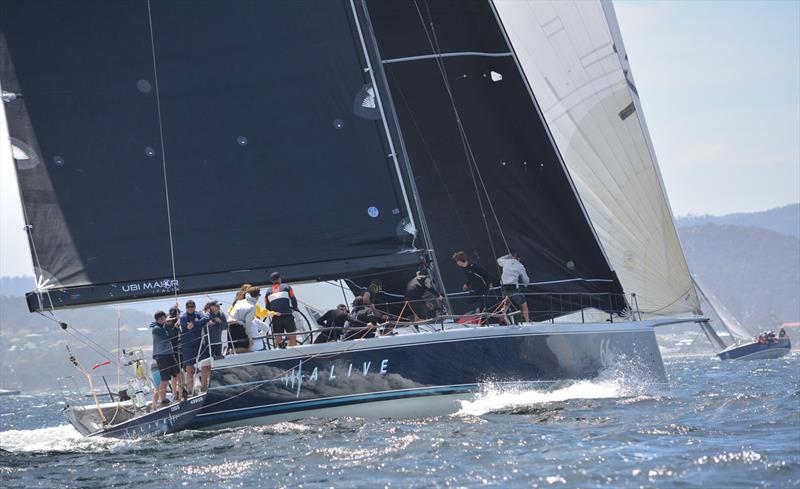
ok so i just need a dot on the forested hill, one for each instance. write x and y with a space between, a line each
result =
753 271
784 220
33 352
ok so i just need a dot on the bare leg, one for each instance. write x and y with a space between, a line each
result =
155 398
173 382
162 391
179 381
190 379
292 340
525 315
205 373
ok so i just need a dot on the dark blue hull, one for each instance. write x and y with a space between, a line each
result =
756 351
408 374
163 421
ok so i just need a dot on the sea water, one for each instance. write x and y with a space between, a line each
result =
717 424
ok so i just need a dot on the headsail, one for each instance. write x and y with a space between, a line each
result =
728 321
197 145
574 59
488 175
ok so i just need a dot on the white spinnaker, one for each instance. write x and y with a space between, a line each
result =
575 63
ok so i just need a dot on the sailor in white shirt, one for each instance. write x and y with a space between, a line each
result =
514 275
244 313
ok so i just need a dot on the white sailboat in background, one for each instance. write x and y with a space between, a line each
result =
744 344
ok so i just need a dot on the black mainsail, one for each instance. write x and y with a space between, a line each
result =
196 145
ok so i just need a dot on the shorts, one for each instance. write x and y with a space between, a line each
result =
206 362
515 295
283 324
167 367
238 336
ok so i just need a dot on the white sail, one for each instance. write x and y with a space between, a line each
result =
573 58
729 322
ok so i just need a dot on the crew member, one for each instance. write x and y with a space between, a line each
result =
514 275
261 313
361 322
335 318
421 296
176 383
192 323
212 342
478 281
375 298
282 302
163 355
241 321
217 323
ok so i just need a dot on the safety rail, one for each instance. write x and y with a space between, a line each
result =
549 307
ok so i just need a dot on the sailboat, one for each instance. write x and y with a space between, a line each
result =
166 148
744 345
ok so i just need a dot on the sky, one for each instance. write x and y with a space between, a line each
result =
719 83
720 88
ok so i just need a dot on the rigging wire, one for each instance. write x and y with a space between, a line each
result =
163 154
435 165
81 338
344 295
472 163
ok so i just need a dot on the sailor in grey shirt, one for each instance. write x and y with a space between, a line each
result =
514 275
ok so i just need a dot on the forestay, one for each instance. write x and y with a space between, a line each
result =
163 145
575 63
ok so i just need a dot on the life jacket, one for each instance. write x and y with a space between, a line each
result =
281 299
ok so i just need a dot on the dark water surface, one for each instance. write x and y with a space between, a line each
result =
717 425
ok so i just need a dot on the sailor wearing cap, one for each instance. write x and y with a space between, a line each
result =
192 323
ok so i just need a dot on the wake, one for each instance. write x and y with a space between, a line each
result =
613 383
57 439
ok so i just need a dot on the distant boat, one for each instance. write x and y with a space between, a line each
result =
754 350
8 392
745 345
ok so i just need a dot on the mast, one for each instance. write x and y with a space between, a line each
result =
371 72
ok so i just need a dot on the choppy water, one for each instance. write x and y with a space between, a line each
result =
716 425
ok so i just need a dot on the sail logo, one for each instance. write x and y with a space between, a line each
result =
167 285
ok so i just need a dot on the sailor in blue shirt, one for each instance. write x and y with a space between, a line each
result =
163 355
192 323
